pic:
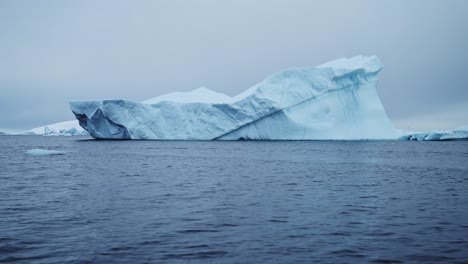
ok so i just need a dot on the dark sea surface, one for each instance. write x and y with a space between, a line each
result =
233 202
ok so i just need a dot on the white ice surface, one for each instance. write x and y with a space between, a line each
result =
199 95
336 100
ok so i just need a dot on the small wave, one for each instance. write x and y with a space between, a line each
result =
190 231
196 255
386 261
227 225
347 253
17 259
150 242
340 234
9 249
122 248
197 246
277 221
428 258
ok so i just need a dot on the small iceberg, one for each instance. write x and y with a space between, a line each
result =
44 152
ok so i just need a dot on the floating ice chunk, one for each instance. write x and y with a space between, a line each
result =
44 152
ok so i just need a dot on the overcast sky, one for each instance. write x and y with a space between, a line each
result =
52 52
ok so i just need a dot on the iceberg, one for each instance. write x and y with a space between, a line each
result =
67 128
336 100
455 134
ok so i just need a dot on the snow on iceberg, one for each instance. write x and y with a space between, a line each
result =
455 134
336 100
67 128
199 95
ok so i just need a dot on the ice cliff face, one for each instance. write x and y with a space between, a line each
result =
336 100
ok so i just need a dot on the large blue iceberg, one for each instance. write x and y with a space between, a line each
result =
337 100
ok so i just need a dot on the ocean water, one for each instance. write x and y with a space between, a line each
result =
233 202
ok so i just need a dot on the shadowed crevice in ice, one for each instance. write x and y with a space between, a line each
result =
101 126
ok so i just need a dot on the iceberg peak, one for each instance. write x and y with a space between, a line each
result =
199 95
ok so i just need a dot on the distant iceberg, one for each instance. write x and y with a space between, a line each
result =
67 128
455 134
336 100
